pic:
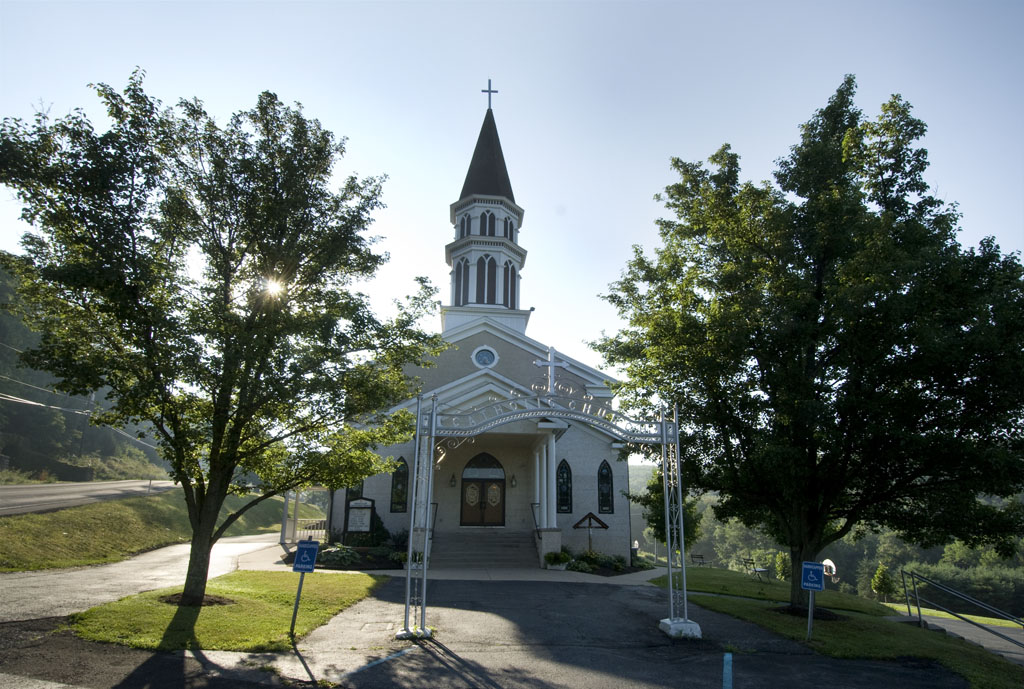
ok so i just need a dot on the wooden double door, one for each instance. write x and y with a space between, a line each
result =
483 502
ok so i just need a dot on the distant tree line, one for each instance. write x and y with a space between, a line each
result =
45 434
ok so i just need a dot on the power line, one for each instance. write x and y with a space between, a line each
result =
29 385
11 398
19 400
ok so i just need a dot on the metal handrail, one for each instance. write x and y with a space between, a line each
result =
914 577
534 506
433 518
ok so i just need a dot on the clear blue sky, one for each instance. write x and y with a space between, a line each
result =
594 98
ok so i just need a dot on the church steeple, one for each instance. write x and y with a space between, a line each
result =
485 257
487 173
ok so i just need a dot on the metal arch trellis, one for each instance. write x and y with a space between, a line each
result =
448 427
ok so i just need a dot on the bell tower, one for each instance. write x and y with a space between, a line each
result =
485 256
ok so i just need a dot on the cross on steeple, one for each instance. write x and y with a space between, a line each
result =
551 364
488 91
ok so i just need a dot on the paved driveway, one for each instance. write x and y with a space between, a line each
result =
546 635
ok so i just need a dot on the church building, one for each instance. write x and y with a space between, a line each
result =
506 496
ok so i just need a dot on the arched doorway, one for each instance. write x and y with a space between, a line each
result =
483 492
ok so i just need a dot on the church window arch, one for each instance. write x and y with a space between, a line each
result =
487 223
508 229
464 224
486 280
508 295
461 296
605 501
400 487
563 486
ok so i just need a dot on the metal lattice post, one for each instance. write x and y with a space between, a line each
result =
675 625
679 525
418 552
668 486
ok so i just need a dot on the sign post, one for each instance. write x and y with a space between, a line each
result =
305 560
812 578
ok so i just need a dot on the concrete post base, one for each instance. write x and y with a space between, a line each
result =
414 634
678 628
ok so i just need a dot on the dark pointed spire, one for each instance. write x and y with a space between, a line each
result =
487 174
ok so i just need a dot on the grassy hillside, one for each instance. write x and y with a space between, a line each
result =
113 530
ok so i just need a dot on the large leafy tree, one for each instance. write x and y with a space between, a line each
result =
840 362
207 276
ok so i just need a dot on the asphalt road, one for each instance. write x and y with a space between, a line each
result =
45 497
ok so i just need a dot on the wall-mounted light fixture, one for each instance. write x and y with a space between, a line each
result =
452 482
513 481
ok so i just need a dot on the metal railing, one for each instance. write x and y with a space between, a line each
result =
534 506
311 529
914 578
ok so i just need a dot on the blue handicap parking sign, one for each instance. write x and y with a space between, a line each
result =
813 577
305 556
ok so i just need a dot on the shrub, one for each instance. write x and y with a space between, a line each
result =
556 557
783 569
337 556
579 566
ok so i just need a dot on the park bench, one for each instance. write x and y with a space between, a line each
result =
697 559
753 569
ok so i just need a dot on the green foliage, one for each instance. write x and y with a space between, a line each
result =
205 275
1000 586
579 566
337 556
556 557
783 567
837 358
882 582
652 500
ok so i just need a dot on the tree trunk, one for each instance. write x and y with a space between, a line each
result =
198 566
798 554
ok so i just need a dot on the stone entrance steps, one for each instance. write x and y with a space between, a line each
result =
484 548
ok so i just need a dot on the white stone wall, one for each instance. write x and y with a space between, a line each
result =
584 449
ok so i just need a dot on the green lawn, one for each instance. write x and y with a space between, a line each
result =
258 619
112 530
728 582
901 608
861 634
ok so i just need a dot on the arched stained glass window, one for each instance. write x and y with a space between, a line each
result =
487 223
486 280
563 485
461 282
605 501
508 290
400 487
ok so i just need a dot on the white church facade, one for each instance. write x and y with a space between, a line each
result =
542 479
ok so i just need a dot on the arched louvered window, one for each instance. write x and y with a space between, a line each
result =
487 223
605 502
508 290
400 487
486 280
490 224
507 231
563 485
464 227
461 296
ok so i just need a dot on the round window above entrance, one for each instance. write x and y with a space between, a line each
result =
485 357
